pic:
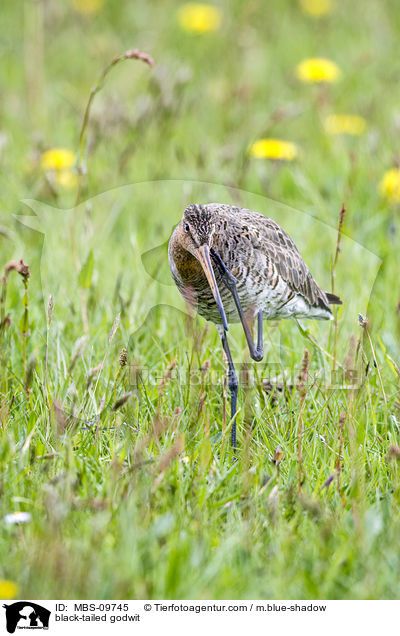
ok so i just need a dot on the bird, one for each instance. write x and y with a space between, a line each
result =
235 265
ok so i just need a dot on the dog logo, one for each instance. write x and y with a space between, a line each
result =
26 615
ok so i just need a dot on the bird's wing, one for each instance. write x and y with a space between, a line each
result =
265 236
280 248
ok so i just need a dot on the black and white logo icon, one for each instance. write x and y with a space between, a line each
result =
26 615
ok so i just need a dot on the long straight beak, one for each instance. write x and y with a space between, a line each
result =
205 261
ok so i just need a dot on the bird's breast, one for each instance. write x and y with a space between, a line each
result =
257 283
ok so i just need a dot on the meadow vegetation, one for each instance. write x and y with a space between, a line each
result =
114 409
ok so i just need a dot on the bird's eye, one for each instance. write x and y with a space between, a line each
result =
187 227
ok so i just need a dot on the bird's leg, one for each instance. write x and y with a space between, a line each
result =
256 352
233 384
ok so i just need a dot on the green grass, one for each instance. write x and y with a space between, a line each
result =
144 501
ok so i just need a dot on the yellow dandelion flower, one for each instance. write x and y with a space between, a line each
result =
317 69
273 149
196 17
316 8
345 125
57 159
58 164
8 589
87 7
390 185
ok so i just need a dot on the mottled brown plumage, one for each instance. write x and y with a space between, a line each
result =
230 264
269 270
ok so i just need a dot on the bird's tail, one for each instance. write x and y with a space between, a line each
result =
333 299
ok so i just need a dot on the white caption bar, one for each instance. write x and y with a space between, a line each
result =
178 617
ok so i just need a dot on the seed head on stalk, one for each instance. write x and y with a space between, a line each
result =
81 160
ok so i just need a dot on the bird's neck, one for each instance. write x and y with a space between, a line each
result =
187 265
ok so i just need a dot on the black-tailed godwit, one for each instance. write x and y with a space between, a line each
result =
231 265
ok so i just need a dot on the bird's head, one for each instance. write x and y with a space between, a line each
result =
196 231
197 227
